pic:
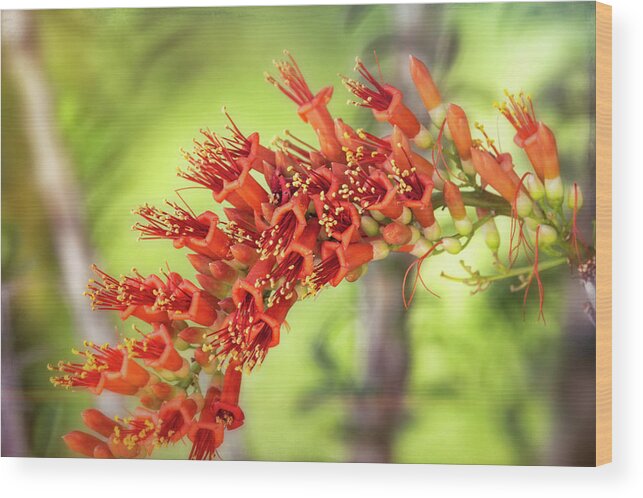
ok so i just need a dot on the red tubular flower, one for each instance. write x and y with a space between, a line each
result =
199 233
175 418
246 338
193 335
266 332
287 223
153 395
252 286
297 263
157 350
99 422
247 147
206 434
533 136
384 100
143 297
424 83
372 191
135 434
152 300
105 367
453 200
86 444
506 164
244 254
492 173
361 148
228 176
405 158
340 219
219 278
415 193
461 134
189 302
312 108
337 261
226 406
401 150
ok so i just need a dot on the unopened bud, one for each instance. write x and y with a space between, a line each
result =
491 235
463 226
438 115
415 235
377 216
369 226
423 139
451 245
532 223
356 274
406 217
433 232
534 186
554 190
467 167
421 247
380 250
396 233
575 197
524 204
547 235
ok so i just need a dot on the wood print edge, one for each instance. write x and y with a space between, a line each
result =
603 233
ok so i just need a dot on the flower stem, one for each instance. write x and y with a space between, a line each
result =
481 199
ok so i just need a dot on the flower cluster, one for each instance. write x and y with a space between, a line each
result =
297 218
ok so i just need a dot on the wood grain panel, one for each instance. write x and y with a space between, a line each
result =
603 233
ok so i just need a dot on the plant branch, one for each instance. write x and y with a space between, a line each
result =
481 199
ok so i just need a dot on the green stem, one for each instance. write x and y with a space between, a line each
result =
483 199
546 265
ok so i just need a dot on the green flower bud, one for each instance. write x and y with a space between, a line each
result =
575 197
380 249
532 223
369 226
434 232
464 226
422 246
424 139
467 167
451 245
377 216
524 204
547 235
415 235
406 217
438 115
491 235
554 190
180 344
534 186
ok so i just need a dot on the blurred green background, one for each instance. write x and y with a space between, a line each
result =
130 87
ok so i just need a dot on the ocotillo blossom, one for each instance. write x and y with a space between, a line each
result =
297 219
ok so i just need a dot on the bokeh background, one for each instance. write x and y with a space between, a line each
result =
95 107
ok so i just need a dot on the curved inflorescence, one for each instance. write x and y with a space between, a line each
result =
300 218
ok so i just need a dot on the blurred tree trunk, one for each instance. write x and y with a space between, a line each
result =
54 175
383 347
573 440
383 352
14 442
